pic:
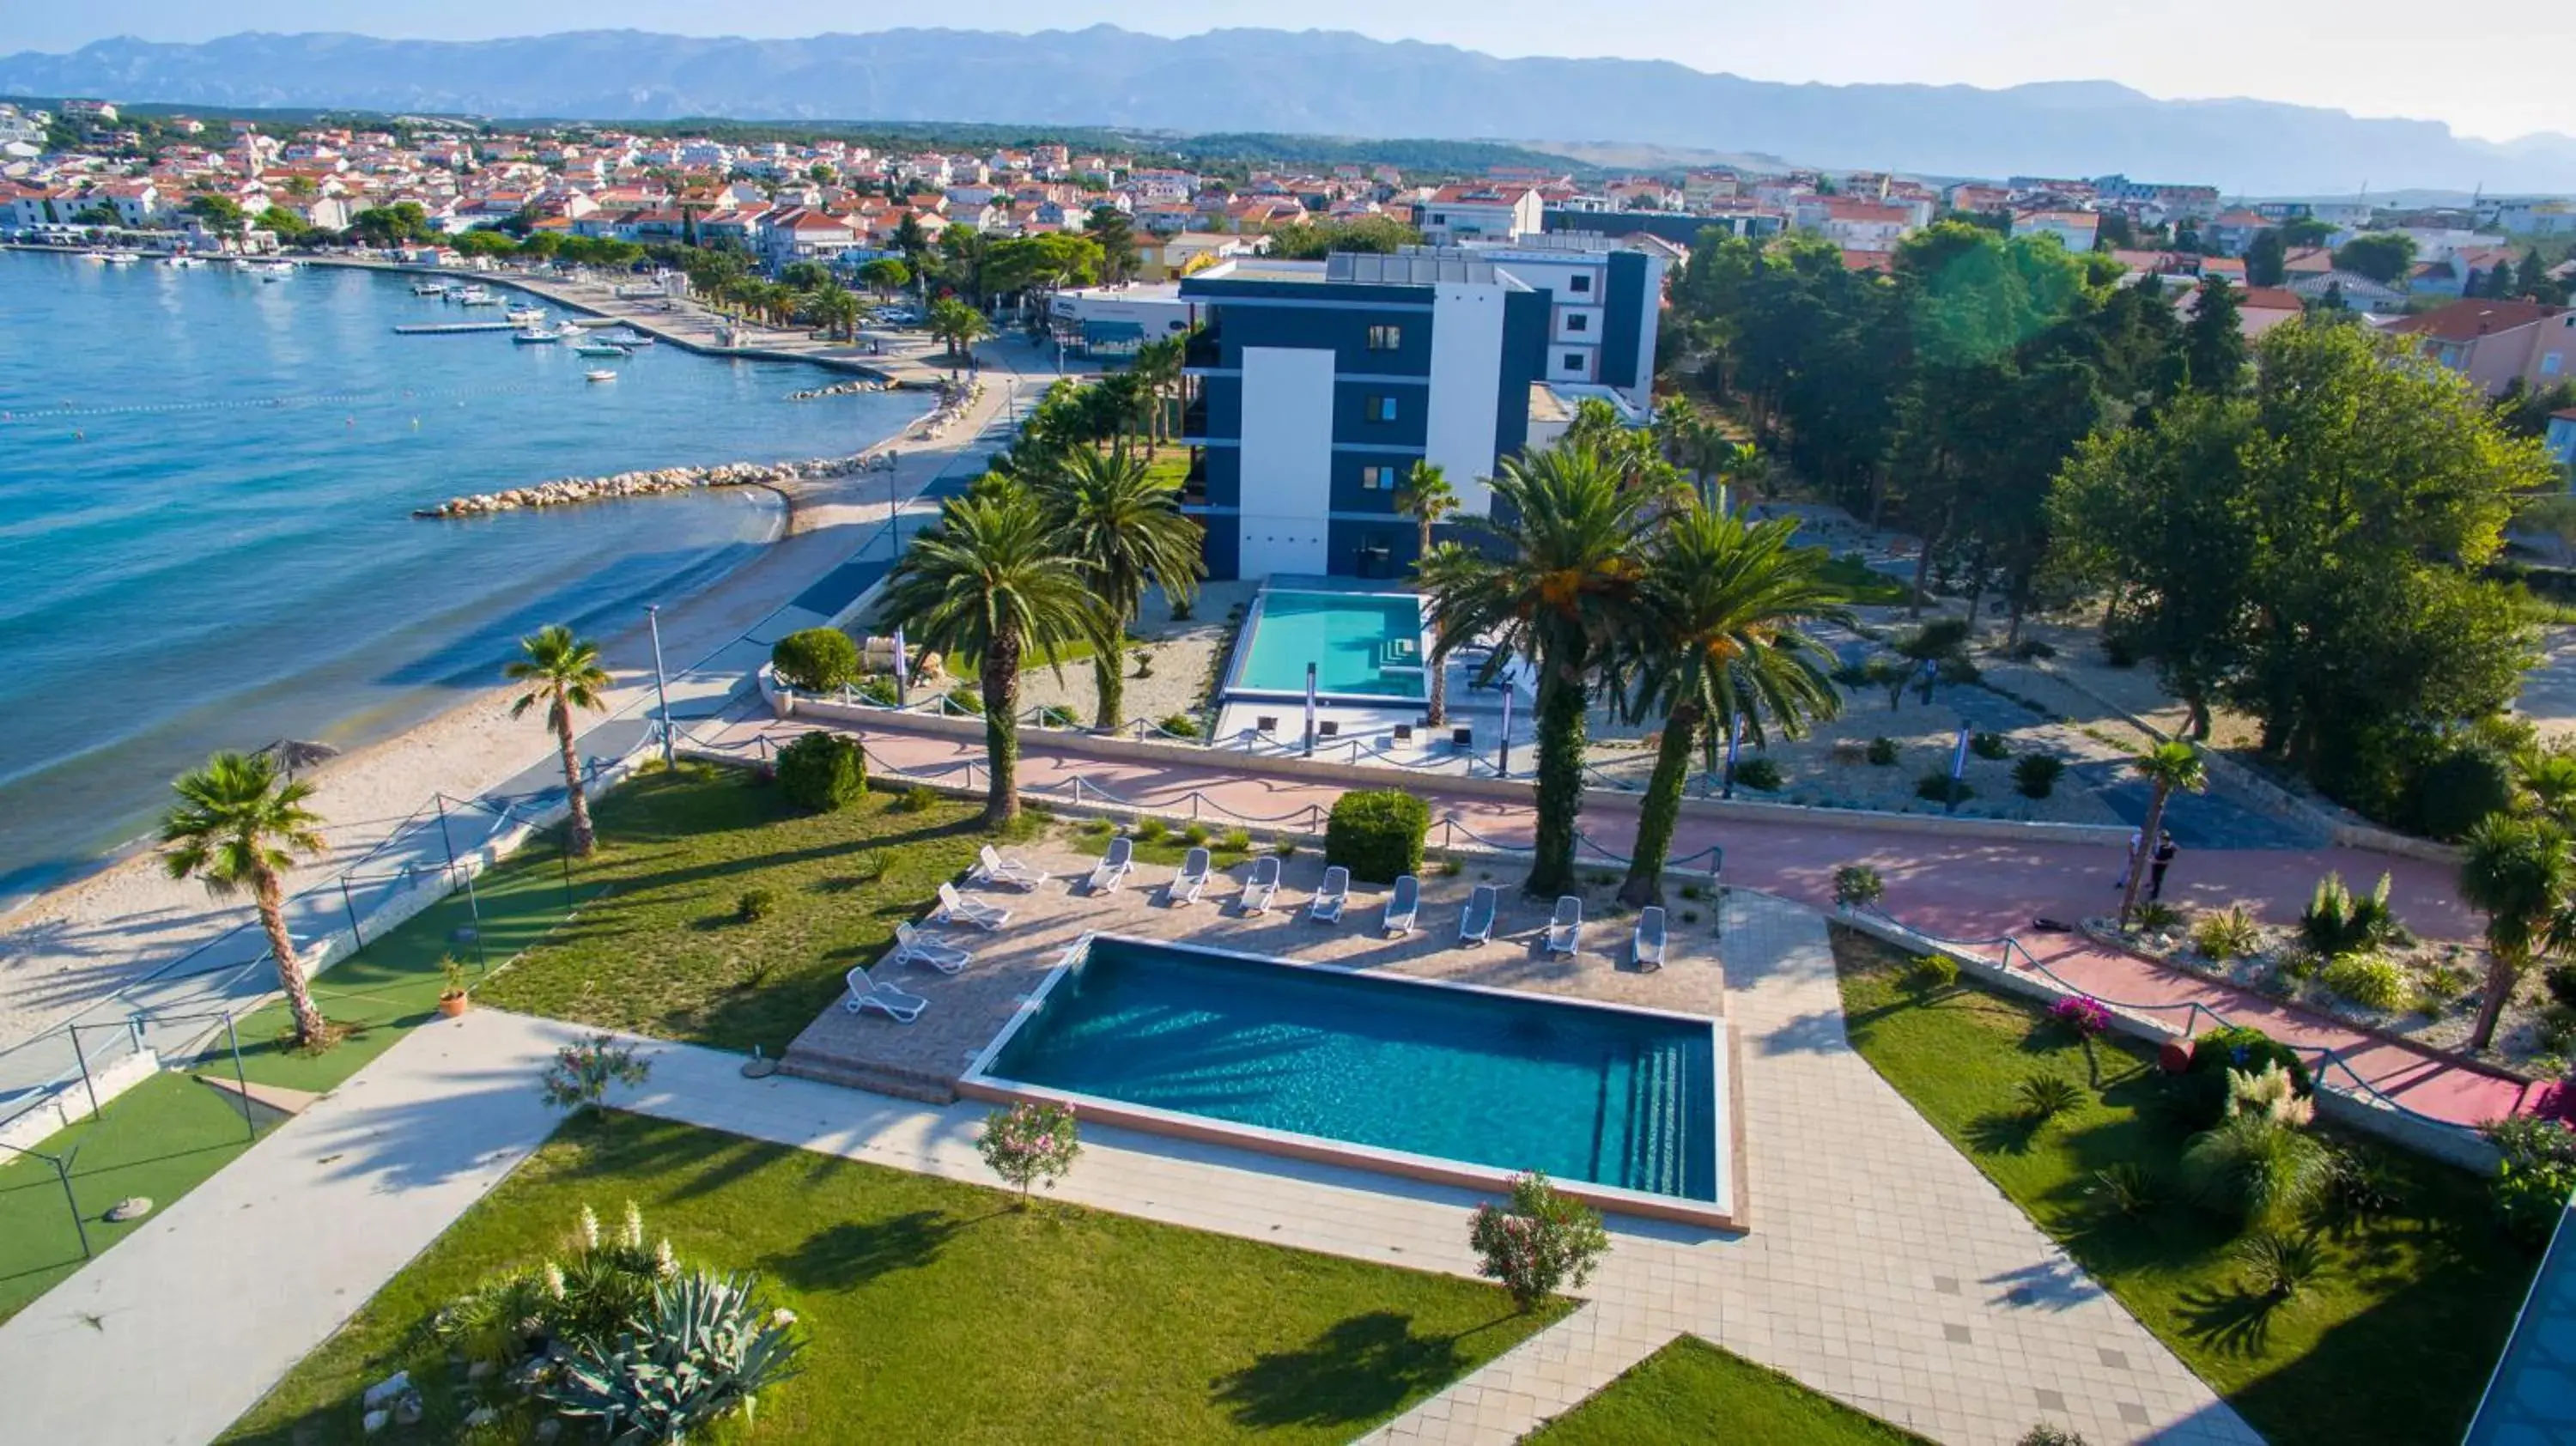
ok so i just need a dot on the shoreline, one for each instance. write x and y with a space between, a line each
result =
798 494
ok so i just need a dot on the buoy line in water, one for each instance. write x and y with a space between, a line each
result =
308 399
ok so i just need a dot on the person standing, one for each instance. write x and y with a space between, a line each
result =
2129 860
2166 848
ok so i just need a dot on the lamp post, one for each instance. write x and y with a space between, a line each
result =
661 685
1958 766
1503 769
1310 710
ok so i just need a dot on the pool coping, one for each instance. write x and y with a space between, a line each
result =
1233 689
1727 1213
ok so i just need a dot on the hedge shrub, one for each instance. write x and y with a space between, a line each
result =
821 772
817 660
1377 834
2456 790
2232 1047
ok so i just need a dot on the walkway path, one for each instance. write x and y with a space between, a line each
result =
1957 888
1882 1268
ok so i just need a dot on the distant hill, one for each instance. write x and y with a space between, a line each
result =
1314 82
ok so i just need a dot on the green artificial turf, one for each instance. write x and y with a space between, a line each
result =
1691 1392
937 1312
663 950
2393 1342
1166 852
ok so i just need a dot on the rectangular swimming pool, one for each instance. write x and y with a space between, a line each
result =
1624 1099
1363 645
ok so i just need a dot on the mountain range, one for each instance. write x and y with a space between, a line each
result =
1316 82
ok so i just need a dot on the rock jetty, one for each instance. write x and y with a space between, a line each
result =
565 491
837 389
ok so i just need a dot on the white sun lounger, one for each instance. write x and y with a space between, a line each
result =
911 946
995 867
1477 924
1113 868
957 908
867 994
1327 907
1403 904
1191 881
1567 927
1263 886
1649 942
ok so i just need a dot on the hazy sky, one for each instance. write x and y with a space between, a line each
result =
2491 74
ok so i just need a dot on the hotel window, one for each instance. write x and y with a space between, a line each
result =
1379 409
1582 283
1578 322
1377 479
1385 338
1574 361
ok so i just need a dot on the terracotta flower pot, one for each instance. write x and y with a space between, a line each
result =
452 1005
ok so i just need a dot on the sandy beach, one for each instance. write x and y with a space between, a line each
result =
71 947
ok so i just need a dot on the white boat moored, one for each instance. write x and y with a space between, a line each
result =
601 375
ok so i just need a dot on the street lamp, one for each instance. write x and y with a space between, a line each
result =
661 685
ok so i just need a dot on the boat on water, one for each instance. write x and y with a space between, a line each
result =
476 296
183 262
629 339
525 315
603 374
120 258
535 336
275 271
98 256
590 348
429 288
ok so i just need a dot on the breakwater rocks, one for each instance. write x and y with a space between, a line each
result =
565 491
837 389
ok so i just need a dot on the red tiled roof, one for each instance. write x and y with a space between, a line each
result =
2269 298
2469 320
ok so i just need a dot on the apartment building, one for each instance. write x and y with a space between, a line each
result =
1316 386
2497 343
1484 211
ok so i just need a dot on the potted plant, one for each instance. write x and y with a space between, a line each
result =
451 996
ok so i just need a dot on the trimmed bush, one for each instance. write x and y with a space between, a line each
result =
1933 972
821 772
2368 980
1237 841
2036 774
1759 774
2238 1047
1377 834
966 700
879 688
1857 885
1993 747
1543 1240
1180 725
1151 830
2537 1172
755 905
2561 980
1196 835
1936 787
2457 789
816 660
1882 751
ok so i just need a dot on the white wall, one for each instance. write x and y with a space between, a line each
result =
1287 460
1466 358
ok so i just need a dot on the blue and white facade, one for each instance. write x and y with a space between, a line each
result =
1318 385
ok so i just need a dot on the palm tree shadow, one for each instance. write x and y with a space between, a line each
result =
2001 1133
2233 1321
854 1253
1360 1369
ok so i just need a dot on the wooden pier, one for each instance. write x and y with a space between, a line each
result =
452 328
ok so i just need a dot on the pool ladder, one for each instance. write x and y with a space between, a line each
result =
1656 1121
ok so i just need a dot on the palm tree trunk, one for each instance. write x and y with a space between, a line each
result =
2502 974
1661 810
580 845
1560 781
310 1030
1109 674
2146 851
1002 732
1439 713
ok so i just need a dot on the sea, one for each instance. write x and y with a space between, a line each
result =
206 540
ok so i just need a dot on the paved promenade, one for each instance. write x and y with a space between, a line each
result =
1956 888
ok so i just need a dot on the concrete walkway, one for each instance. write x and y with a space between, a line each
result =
1940 884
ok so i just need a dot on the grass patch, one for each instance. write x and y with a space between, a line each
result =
2393 1342
1690 1391
662 951
169 1134
938 1313
1167 851
1866 585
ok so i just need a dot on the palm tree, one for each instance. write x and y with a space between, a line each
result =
990 581
1157 367
1557 584
2521 873
2170 765
959 325
1428 499
238 825
1123 527
1723 644
563 673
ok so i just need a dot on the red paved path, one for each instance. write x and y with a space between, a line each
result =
1952 888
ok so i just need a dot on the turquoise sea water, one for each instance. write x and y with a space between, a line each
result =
1509 1081
205 539
1362 645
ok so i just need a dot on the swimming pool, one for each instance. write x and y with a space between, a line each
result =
1363 645
1377 1070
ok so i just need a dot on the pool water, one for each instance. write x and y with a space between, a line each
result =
1514 1082
1362 645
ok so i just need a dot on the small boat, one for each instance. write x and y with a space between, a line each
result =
603 374
535 336
182 262
121 258
476 296
628 340
525 315
429 288
597 349
274 271
98 256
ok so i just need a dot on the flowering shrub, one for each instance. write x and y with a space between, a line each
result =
1028 1143
1541 1241
582 1072
2085 1016
1857 886
590 1294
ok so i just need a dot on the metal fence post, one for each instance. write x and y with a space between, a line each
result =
250 1116
63 1172
82 1056
349 907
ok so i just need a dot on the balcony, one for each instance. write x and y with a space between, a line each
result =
1194 419
1204 349
1194 481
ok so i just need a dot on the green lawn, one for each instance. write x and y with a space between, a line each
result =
938 1313
167 1135
1867 586
1166 852
1691 1392
662 951
2393 1343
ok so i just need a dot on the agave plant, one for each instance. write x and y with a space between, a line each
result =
707 1349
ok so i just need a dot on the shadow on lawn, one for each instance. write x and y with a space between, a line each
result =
1359 1369
859 1252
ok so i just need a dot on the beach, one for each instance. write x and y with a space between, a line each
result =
74 945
